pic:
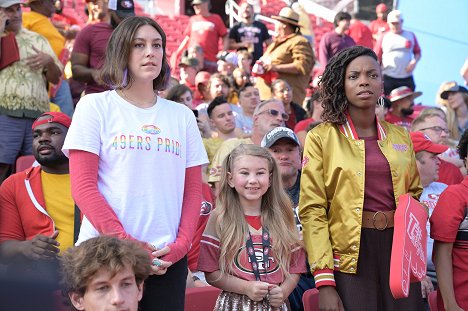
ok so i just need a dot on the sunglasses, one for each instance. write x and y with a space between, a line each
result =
276 113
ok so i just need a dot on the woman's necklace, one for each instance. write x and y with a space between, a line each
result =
139 103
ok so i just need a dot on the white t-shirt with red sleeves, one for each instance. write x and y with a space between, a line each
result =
143 155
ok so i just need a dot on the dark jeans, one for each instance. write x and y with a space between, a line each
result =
369 289
166 292
393 83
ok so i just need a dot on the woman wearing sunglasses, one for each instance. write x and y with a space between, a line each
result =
355 167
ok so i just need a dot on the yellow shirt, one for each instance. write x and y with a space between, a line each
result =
42 25
60 206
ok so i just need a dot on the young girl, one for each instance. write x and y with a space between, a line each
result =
250 248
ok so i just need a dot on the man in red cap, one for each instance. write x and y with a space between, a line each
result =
38 218
428 163
402 99
379 25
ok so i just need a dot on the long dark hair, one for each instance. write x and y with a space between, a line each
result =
331 84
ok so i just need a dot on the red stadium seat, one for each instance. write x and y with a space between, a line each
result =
201 298
24 162
310 299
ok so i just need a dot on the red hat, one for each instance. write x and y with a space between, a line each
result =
54 117
421 142
381 8
202 77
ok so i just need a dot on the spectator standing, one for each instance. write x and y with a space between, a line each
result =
360 33
379 25
249 34
290 55
336 40
399 52
23 94
39 20
449 223
90 45
116 160
347 207
402 99
204 29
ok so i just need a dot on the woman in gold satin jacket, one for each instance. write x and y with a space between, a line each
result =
354 170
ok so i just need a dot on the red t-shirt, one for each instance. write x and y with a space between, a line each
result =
92 41
449 224
206 31
378 26
207 206
378 188
361 34
404 122
210 253
449 173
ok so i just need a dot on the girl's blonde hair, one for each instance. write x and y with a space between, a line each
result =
276 214
449 112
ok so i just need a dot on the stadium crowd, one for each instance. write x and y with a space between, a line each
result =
128 176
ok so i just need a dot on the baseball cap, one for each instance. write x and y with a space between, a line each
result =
198 1
123 8
202 77
276 134
454 89
381 8
188 62
394 16
54 117
402 92
8 3
422 142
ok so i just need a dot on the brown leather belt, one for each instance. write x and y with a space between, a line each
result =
378 220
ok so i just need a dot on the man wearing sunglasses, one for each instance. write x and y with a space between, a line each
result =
432 124
268 115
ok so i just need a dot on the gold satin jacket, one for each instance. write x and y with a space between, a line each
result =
332 191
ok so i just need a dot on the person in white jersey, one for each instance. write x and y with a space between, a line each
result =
135 160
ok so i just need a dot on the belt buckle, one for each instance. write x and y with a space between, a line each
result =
374 220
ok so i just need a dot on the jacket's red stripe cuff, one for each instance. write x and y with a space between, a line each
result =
324 277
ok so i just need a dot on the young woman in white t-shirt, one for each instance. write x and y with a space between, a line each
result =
135 160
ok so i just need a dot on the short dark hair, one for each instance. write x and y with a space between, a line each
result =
177 91
341 16
244 88
331 85
114 71
463 145
219 100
